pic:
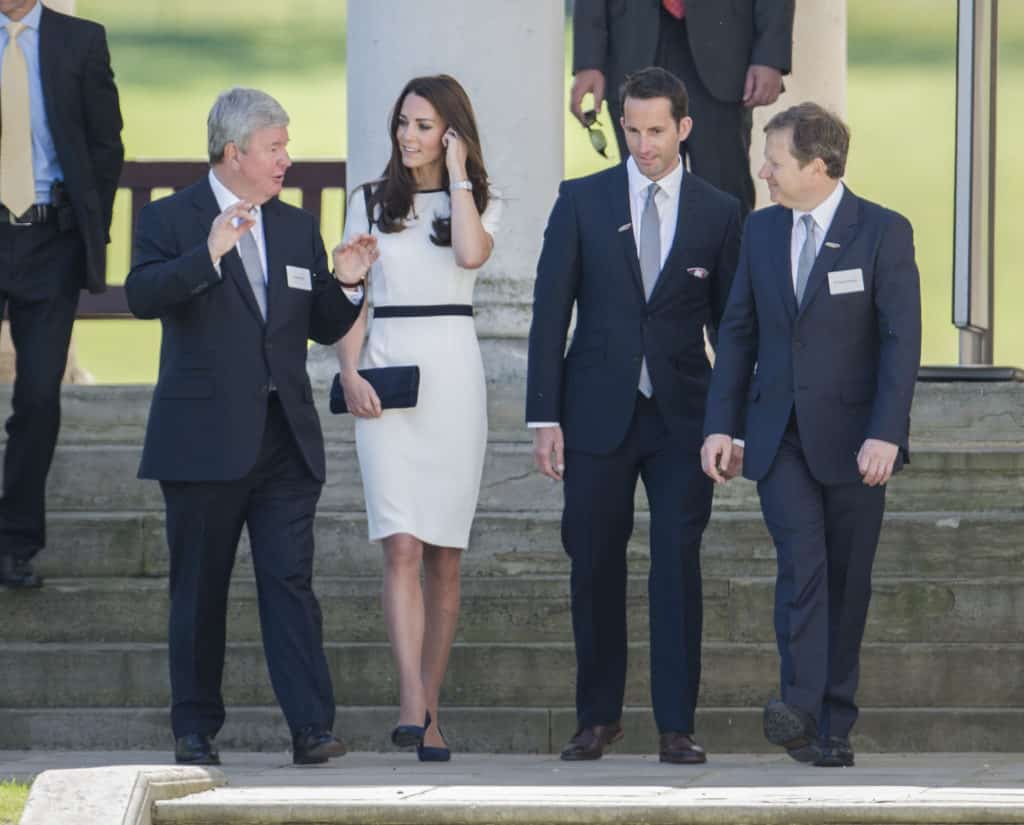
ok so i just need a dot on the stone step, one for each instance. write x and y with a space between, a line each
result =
953 412
923 545
951 478
507 674
508 729
525 609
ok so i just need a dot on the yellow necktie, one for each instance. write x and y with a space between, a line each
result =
17 180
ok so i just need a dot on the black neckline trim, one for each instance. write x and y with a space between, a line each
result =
429 191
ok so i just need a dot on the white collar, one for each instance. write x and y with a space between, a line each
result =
825 211
638 182
225 197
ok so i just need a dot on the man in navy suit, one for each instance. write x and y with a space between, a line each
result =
60 160
817 357
240 282
645 252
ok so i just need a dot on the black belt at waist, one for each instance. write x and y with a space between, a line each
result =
422 311
36 214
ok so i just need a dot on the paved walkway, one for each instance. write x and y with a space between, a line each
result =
478 788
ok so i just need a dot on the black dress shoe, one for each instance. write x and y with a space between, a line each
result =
680 749
836 752
792 728
196 749
314 746
589 743
18 573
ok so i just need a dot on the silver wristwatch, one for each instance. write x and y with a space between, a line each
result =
461 184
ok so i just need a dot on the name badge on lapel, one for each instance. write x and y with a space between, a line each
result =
299 278
843 281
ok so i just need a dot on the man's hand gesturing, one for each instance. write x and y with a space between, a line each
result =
228 227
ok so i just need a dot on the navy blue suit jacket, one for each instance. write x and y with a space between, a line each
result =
848 362
589 259
217 356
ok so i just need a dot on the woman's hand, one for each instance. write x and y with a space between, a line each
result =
360 396
354 257
455 155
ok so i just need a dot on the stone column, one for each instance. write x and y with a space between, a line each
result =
819 72
510 59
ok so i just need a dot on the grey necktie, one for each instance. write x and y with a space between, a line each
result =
806 261
650 266
250 256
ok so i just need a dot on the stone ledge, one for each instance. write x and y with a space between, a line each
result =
422 804
124 794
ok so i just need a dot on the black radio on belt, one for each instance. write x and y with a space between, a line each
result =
61 204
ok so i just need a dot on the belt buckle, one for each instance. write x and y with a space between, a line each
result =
13 221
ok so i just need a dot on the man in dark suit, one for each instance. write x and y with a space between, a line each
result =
731 56
60 160
240 282
646 253
817 357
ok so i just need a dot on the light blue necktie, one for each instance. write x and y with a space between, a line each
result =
650 266
806 260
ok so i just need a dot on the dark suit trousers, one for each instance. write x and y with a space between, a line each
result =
41 274
277 502
718 148
596 526
825 540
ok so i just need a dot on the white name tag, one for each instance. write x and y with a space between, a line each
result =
299 278
845 280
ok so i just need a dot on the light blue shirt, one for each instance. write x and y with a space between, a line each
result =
45 165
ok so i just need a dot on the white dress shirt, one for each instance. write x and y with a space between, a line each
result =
225 198
666 201
822 214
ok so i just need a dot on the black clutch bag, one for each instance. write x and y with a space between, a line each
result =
396 387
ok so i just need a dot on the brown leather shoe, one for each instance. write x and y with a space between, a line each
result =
589 743
680 749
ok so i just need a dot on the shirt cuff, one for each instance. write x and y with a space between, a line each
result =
536 425
353 293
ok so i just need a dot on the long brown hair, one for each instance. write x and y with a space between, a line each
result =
396 189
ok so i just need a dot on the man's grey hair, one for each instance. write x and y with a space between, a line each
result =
236 114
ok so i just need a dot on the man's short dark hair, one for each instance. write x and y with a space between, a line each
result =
817 133
652 82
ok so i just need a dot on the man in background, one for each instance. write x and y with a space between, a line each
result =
60 161
730 55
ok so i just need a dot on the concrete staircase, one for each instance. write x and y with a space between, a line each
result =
83 661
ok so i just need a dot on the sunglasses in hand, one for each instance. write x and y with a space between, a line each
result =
597 138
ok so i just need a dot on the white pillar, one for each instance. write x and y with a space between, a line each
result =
819 72
510 59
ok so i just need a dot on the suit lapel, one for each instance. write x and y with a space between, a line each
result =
781 261
618 203
840 233
688 217
272 235
51 46
231 264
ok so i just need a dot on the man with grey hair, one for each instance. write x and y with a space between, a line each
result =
240 281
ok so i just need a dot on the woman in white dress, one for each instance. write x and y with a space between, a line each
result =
434 217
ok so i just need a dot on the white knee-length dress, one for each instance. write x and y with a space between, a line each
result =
422 466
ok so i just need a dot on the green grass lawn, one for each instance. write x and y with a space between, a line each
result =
12 802
171 59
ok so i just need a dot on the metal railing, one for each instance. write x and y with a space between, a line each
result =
141 178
